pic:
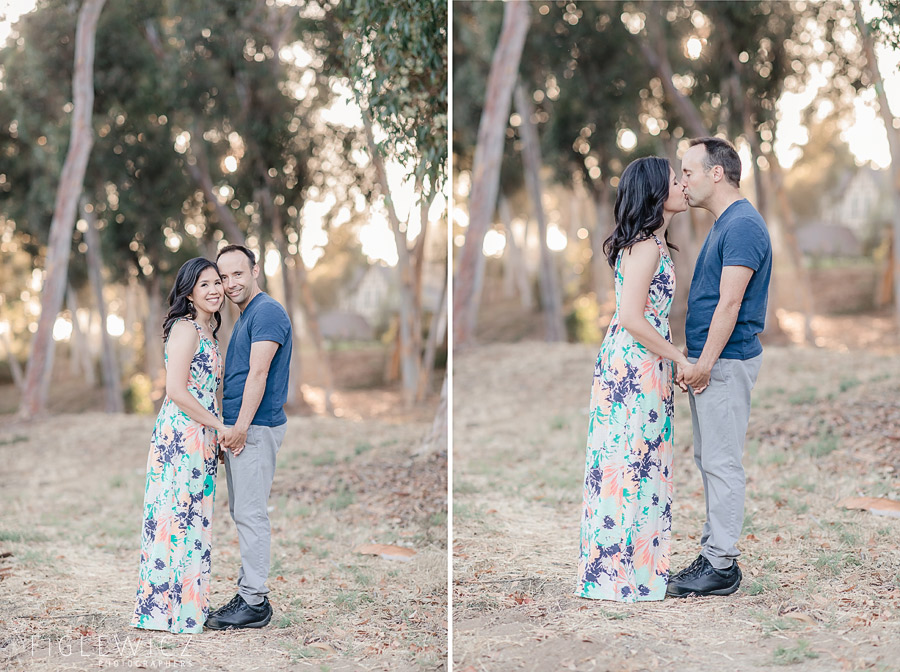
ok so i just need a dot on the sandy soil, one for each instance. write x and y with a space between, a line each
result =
70 516
822 583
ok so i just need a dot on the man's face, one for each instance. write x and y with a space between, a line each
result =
237 276
697 182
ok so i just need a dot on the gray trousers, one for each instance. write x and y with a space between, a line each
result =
720 415
250 477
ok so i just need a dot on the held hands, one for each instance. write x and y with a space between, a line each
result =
693 375
233 439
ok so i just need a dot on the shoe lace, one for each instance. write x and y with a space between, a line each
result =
693 569
232 606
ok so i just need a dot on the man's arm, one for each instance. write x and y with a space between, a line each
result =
732 286
261 355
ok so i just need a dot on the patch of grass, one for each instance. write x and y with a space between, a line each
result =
297 653
791 656
559 422
325 459
361 448
467 512
772 622
14 439
32 557
752 447
351 600
798 506
300 511
825 443
341 499
287 620
116 482
836 562
798 482
805 396
776 458
464 488
849 383
319 533
15 536
749 524
613 615
438 519
362 577
760 584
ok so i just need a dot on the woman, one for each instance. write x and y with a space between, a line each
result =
173 590
627 516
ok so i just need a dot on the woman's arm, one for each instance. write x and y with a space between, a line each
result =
183 340
639 265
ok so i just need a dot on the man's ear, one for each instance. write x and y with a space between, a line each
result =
255 271
718 173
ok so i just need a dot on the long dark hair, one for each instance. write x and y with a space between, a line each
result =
179 306
643 188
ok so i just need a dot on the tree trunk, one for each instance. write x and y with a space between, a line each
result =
198 167
34 396
109 365
653 48
80 347
409 358
435 335
486 167
894 144
154 362
551 303
311 313
516 262
600 271
786 231
14 366
436 440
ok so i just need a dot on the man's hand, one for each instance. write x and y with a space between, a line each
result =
234 439
697 376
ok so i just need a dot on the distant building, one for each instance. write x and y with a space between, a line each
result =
851 215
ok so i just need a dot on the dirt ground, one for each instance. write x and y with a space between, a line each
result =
70 518
821 587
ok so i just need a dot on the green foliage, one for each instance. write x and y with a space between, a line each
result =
396 60
790 656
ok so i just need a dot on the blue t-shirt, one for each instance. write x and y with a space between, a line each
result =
264 319
738 238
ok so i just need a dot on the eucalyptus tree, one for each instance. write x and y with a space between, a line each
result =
395 61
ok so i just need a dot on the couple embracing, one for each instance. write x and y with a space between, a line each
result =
189 439
627 513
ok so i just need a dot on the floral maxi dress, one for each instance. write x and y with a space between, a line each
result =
627 513
173 588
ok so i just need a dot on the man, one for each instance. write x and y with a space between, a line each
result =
726 313
255 389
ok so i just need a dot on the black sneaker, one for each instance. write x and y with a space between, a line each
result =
239 614
691 569
701 578
226 608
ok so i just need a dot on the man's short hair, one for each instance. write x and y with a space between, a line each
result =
721 153
238 248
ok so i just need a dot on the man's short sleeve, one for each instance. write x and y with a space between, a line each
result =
744 244
270 323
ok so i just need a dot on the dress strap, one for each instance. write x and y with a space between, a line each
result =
664 251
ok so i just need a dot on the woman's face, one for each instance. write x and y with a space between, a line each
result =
207 294
677 201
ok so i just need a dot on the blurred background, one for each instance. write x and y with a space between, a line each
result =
807 92
313 132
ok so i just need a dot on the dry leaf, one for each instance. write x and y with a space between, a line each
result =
880 506
800 616
386 551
